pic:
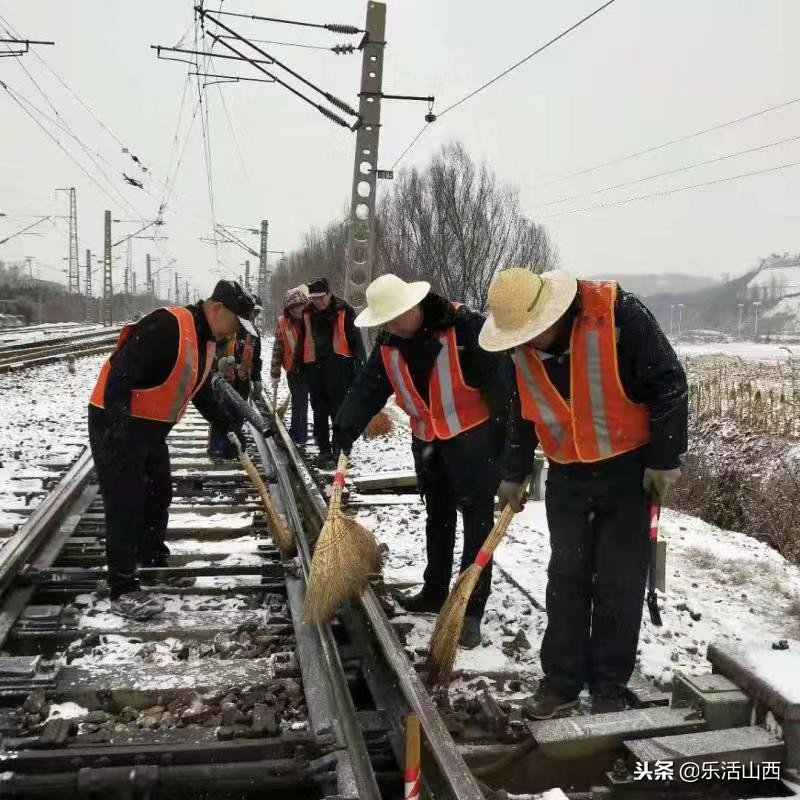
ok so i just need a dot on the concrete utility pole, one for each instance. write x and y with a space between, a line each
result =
88 286
262 267
756 303
247 277
186 293
108 286
133 282
361 234
741 308
177 290
680 318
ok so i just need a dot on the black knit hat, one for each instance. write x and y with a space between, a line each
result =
318 287
234 298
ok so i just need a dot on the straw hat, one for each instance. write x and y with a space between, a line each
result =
388 297
523 304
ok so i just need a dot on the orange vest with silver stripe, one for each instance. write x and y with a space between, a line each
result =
599 421
340 345
287 331
167 402
453 406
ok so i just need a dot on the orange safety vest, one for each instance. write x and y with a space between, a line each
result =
340 345
453 406
287 330
599 421
167 402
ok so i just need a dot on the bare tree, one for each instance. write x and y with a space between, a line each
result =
455 225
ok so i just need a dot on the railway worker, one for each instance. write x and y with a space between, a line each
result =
330 350
159 365
599 387
239 362
427 355
287 332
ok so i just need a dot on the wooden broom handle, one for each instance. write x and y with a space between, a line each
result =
498 531
337 487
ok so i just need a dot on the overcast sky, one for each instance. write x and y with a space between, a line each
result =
636 75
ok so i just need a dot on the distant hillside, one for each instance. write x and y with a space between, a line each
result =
662 283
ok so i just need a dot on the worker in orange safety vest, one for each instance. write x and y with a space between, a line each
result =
427 355
160 364
329 351
601 390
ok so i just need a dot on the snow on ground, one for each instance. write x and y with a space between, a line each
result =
716 581
750 351
43 413
44 333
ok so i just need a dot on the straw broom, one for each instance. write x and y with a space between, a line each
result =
450 622
281 535
345 555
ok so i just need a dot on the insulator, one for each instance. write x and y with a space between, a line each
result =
337 28
334 117
341 49
335 101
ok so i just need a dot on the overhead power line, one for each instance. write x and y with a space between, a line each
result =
328 26
62 148
22 230
669 143
666 192
505 72
527 58
332 99
668 172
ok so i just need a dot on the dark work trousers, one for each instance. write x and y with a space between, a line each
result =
136 484
458 474
597 515
298 388
328 382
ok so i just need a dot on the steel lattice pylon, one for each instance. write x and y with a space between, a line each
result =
108 286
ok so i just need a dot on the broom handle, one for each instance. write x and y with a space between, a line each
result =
252 472
275 397
337 487
497 532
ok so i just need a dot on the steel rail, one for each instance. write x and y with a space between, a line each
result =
13 366
10 347
345 719
34 532
457 775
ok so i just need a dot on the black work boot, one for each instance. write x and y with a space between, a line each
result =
546 702
608 699
428 600
470 633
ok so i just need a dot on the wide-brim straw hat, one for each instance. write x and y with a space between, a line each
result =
523 304
388 297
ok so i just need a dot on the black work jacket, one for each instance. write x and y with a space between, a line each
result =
481 369
322 323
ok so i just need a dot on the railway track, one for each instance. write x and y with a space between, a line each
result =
24 355
232 693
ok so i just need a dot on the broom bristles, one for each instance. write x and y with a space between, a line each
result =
345 555
379 425
449 624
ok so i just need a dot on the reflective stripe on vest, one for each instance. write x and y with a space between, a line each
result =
167 402
340 344
599 421
454 407
287 331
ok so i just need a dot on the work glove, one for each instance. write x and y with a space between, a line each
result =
342 443
226 366
657 482
511 493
